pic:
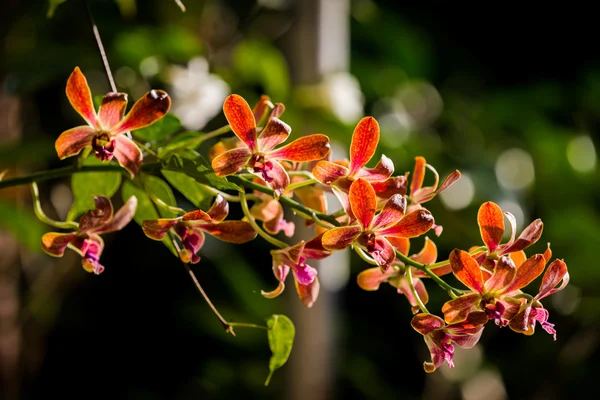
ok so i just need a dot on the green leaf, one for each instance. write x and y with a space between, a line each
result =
22 223
196 193
281 339
199 170
161 129
85 185
52 4
186 141
146 210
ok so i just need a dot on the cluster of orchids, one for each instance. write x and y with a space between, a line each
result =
379 215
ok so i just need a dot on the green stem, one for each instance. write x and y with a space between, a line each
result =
258 229
451 291
67 171
414 291
283 199
41 215
365 257
144 147
248 325
300 184
197 141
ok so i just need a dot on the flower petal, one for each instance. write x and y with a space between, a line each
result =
260 109
466 270
308 293
196 215
518 257
457 310
274 133
340 238
112 109
527 272
400 244
427 255
128 154
80 97
231 161
425 323
491 224
470 326
54 243
529 236
503 275
277 178
157 229
72 141
418 175
275 292
327 172
364 143
382 171
556 272
240 117
230 231
392 212
146 111
390 187
314 249
370 279
304 274
382 252
412 225
403 287
121 217
363 202
306 148
219 209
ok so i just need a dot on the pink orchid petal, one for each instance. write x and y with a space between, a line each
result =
556 272
327 172
412 225
219 209
72 141
308 293
466 270
102 213
440 349
491 224
364 143
370 279
240 117
274 133
363 202
277 178
382 171
382 252
418 175
304 274
529 236
230 162
426 323
392 212
457 310
80 97
121 217
158 228
306 148
503 274
128 154
112 110
147 110
54 243
340 238
527 272
230 231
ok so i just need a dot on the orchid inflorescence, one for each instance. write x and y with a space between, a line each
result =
381 212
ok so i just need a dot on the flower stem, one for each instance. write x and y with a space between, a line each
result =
258 229
451 291
365 257
248 325
414 291
41 215
109 74
300 184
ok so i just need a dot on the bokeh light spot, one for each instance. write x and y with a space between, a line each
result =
514 169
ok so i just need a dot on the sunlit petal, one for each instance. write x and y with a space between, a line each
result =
370 279
128 154
556 272
416 181
529 236
158 228
527 272
121 217
382 171
306 148
340 238
457 310
54 243
364 143
147 110
275 132
491 224
230 231
363 202
231 161
427 255
392 212
412 225
80 96
425 323
389 187
240 117
308 293
327 172
503 274
72 141
112 110
466 270
219 209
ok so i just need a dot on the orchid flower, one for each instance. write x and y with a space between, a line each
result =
86 240
498 294
270 211
491 226
305 276
190 229
259 155
439 336
105 130
371 231
371 278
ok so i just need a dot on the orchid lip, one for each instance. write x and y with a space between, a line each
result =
103 146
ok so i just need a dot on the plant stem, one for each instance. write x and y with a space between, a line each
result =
41 215
451 291
111 79
200 139
414 291
258 229
248 325
300 184
365 257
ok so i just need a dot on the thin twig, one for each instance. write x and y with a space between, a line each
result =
109 74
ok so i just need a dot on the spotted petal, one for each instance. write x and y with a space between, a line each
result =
327 172
112 109
418 175
364 143
158 228
412 225
364 202
382 252
491 224
306 148
240 117
146 111
381 172
529 236
80 97
556 272
121 217
426 323
390 187
72 141
274 133
219 210
527 272
231 161
503 275
277 178
55 244
340 238
466 270
392 212
457 310
230 231
427 255
128 154
370 279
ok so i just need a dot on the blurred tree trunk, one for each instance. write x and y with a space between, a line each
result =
317 44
